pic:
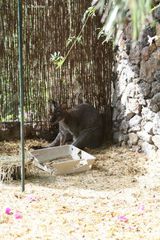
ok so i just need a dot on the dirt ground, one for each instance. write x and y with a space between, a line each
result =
117 200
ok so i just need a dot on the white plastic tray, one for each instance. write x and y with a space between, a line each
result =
62 159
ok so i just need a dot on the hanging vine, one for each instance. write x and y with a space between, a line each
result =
56 57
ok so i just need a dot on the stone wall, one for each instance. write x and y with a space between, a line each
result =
136 95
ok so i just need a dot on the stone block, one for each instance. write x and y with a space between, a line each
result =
130 90
149 150
156 14
155 103
144 38
156 124
148 68
158 42
147 114
124 126
140 142
144 136
157 29
157 75
158 34
145 53
155 87
156 140
158 154
148 127
129 115
120 116
136 128
134 55
145 88
152 48
136 81
141 101
122 84
135 121
133 139
115 114
133 105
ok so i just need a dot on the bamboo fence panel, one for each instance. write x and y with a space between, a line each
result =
47 24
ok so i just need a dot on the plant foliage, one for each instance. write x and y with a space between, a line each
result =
114 13
59 60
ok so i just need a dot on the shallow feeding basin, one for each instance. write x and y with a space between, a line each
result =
62 159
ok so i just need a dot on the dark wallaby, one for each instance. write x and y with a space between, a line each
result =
82 122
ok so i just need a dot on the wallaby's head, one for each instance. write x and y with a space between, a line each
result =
56 112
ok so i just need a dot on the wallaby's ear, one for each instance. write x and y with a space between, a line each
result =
53 105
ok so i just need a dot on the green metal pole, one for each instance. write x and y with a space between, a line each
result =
21 94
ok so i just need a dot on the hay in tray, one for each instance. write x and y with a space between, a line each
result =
10 168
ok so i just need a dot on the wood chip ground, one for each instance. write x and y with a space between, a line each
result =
113 201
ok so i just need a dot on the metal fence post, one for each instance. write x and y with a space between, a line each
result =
21 94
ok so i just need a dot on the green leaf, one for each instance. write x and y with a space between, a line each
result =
90 12
57 59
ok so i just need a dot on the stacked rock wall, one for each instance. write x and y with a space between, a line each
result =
136 95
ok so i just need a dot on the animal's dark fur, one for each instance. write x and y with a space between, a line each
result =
82 122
